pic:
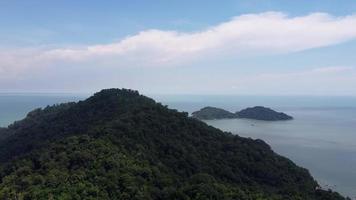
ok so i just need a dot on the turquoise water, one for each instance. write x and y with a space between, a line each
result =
321 138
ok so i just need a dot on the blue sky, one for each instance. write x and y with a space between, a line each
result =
264 47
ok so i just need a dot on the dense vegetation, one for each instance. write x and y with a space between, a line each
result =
121 145
262 113
257 112
212 113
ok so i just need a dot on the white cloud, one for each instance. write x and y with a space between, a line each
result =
336 80
332 69
265 33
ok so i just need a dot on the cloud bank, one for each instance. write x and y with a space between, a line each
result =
336 80
264 33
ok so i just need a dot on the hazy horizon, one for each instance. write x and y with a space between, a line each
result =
179 47
81 93
295 58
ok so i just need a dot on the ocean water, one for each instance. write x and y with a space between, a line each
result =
322 141
15 106
321 138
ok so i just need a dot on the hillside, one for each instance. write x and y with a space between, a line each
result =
119 144
208 113
262 113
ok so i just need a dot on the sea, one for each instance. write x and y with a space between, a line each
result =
321 137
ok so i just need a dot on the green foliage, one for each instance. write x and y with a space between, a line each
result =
207 113
257 112
121 145
262 113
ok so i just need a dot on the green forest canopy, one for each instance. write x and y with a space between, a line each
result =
119 144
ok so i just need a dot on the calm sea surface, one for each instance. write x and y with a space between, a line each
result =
321 138
16 106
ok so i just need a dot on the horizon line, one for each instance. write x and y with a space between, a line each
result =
82 93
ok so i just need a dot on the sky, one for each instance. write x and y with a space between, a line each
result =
247 47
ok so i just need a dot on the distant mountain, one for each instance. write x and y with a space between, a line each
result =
119 144
207 113
262 113
257 113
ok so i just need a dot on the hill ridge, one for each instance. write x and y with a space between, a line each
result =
120 144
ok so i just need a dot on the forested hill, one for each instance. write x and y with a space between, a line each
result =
262 113
257 113
119 144
208 113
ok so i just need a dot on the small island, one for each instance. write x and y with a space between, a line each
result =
262 113
208 113
257 113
